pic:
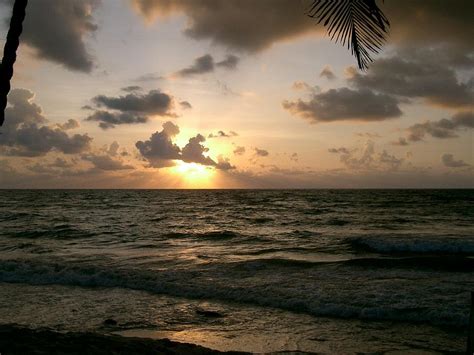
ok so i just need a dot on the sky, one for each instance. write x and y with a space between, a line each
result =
236 94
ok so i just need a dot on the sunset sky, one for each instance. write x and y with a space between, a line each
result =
236 94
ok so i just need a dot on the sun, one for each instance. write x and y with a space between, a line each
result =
194 175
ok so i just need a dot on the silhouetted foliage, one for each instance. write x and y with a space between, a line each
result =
9 53
359 24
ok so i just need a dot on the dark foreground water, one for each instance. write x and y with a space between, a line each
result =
336 271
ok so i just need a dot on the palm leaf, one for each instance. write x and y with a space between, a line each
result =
358 24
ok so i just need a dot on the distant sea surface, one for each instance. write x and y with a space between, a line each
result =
314 270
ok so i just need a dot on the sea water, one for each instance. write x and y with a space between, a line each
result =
335 271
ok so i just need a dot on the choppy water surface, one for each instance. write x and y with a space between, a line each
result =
314 270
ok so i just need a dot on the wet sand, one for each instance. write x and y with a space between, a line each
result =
17 340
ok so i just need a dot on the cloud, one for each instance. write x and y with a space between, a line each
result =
108 159
366 158
111 119
301 86
56 30
246 25
401 142
185 105
206 64
222 134
368 135
229 63
132 88
239 151
224 164
327 73
421 22
61 163
442 129
160 150
449 161
25 132
294 157
341 150
345 104
149 77
261 152
226 90
201 65
70 124
193 152
417 74
133 108
154 102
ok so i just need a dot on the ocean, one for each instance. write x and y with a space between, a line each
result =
331 271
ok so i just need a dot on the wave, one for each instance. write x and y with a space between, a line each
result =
212 235
425 263
321 298
414 245
60 231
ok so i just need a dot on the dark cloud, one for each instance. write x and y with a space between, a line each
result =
294 157
106 162
417 74
449 161
222 134
261 152
345 104
111 119
70 124
327 73
149 77
224 164
25 132
401 142
206 64
341 150
239 151
132 88
421 22
194 151
185 105
154 102
366 158
368 135
61 163
247 25
133 108
229 63
160 150
444 128
201 65
57 29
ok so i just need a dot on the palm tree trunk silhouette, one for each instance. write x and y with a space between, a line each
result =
9 53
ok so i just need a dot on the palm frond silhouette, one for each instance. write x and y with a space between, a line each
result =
358 24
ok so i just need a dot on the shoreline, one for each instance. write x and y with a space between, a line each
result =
20 340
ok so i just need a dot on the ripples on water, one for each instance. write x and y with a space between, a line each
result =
379 255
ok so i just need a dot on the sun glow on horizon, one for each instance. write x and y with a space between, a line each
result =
195 175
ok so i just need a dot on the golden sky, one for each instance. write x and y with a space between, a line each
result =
235 94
